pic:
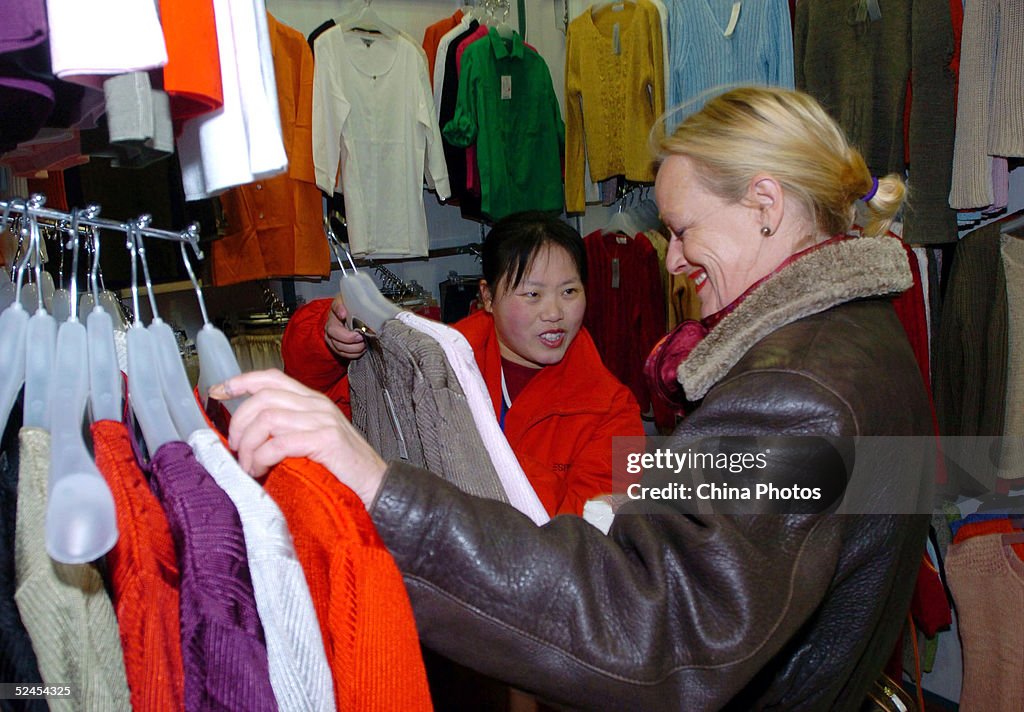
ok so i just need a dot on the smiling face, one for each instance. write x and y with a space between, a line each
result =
712 239
538 319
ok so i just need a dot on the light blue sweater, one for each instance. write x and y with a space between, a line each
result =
703 61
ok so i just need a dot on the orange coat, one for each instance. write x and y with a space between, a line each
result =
560 426
273 226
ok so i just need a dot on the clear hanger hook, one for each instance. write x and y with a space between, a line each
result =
34 203
73 246
92 212
130 244
141 224
195 284
36 250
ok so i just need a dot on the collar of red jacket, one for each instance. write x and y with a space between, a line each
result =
573 375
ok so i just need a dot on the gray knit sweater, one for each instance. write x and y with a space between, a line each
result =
858 69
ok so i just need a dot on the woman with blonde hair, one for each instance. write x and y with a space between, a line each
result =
689 603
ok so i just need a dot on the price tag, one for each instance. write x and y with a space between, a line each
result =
615 273
616 40
506 86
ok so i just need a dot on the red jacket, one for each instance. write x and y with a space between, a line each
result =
560 426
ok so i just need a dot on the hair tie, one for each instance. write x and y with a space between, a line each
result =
871 193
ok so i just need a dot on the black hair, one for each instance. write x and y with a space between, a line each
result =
514 242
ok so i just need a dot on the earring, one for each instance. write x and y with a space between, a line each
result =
766 231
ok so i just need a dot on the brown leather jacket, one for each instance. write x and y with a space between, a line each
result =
677 609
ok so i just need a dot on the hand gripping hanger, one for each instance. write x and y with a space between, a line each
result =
13 327
81 523
362 297
144 389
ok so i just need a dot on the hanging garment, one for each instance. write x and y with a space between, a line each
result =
990 105
459 355
436 424
971 352
222 644
858 69
365 617
432 38
625 305
17 659
257 352
94 40
615 91
192 75
465 26
241 142
507 106
143 575
65 607
372 111
987 583
273 227
719 43
447 97
299 672
1012 462
138 120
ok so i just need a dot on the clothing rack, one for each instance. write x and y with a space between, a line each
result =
87 218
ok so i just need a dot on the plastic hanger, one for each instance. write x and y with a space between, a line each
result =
144 390
104 372
217 360
60 304
362 298
366 20
181 402
504 29
40 345
13 327
620 222
81 523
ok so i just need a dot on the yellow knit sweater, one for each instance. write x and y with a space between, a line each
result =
614 90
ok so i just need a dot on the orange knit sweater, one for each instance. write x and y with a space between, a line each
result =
144 577
360 600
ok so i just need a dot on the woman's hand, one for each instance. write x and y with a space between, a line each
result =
283 418
340 339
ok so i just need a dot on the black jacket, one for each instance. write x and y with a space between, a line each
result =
681 608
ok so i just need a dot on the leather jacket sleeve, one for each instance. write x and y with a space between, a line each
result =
673 609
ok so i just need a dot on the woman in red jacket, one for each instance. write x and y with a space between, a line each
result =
557 404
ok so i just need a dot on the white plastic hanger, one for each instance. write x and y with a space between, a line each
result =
620 222
104 372
40 345
366 19
13 327
144 391
60 304
504 29
217 360
81 523
173 380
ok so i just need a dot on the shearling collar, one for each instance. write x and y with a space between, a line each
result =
833 274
